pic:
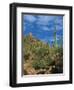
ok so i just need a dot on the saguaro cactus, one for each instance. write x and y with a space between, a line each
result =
55 31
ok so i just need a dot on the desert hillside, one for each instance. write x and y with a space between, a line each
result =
40 57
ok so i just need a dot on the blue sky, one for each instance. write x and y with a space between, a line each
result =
42 27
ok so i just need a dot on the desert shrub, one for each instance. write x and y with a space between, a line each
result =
40 64
26 56
50 62
58 50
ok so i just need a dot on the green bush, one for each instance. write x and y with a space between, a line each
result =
50 62
40 64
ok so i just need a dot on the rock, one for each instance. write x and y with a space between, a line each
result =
28 69
41 71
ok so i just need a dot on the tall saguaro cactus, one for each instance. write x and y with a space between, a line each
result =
55 32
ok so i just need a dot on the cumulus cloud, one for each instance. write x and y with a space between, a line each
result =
45 28
44 20
29 18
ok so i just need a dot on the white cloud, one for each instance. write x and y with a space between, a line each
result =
44 20
29 18
45 28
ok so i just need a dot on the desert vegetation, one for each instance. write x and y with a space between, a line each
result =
41 58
